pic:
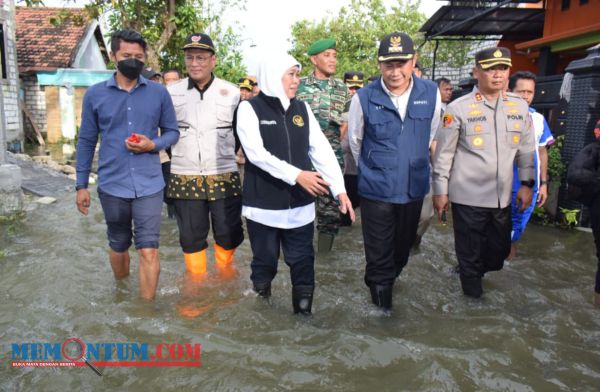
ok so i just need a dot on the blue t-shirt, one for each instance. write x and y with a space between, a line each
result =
543 137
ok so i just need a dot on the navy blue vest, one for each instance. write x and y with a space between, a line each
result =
285 135
394 157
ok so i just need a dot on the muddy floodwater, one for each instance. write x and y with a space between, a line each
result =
535 329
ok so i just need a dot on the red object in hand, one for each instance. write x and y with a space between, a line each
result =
133 138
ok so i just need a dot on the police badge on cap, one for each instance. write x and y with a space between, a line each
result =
354 79
487 58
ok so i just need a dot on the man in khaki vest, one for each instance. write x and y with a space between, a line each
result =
205 183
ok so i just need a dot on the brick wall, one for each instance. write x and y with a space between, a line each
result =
35 101
10 85
457 74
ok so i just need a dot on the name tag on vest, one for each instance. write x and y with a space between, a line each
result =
420 102
268 122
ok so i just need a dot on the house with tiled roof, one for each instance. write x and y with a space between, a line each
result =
60 52
10 130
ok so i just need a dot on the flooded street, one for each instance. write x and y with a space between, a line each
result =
534 330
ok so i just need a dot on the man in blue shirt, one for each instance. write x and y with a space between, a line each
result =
523 84
126 112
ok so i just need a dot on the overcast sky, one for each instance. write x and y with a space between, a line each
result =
266 24
274 35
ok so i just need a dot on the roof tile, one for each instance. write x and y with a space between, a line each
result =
43 45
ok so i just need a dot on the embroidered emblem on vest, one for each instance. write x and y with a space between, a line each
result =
297 120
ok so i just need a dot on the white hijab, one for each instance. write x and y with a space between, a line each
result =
270 72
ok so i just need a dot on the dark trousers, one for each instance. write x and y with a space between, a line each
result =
351 184
481 238
193 222
389 231
298 252
595 217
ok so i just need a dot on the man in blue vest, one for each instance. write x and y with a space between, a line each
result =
390 123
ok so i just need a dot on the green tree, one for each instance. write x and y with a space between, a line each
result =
358 29
165 24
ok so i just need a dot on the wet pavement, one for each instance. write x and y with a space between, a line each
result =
41 180
535 329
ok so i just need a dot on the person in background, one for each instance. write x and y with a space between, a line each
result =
584 172
283 141
171 76
523 84
390 124
418 71
246 86
125 112
327 97
205 183
355 81
151 74
445 86
481 136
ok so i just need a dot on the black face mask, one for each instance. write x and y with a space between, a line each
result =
131 68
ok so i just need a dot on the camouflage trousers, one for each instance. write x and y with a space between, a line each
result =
333 136
328 214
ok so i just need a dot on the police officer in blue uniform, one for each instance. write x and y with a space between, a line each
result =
390 122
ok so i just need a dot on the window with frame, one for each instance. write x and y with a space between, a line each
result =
4 74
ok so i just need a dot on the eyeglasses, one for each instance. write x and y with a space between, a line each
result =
198 59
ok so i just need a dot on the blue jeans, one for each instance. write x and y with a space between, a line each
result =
143 213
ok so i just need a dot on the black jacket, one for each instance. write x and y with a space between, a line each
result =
583 175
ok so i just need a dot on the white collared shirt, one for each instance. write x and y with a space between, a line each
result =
321 156
356 124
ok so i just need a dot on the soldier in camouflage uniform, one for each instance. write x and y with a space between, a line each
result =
327 98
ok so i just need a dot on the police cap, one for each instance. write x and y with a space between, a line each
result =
245 83
487 58
354 79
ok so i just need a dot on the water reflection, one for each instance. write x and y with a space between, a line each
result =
535 329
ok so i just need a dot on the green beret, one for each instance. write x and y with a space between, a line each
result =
321 46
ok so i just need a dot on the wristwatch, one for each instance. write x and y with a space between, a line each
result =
78 187
528 183
543 182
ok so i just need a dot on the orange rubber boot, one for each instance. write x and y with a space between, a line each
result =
223 256
195 262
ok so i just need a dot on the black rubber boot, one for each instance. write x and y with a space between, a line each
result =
302 297
263 289
381 295
471 287
325 242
